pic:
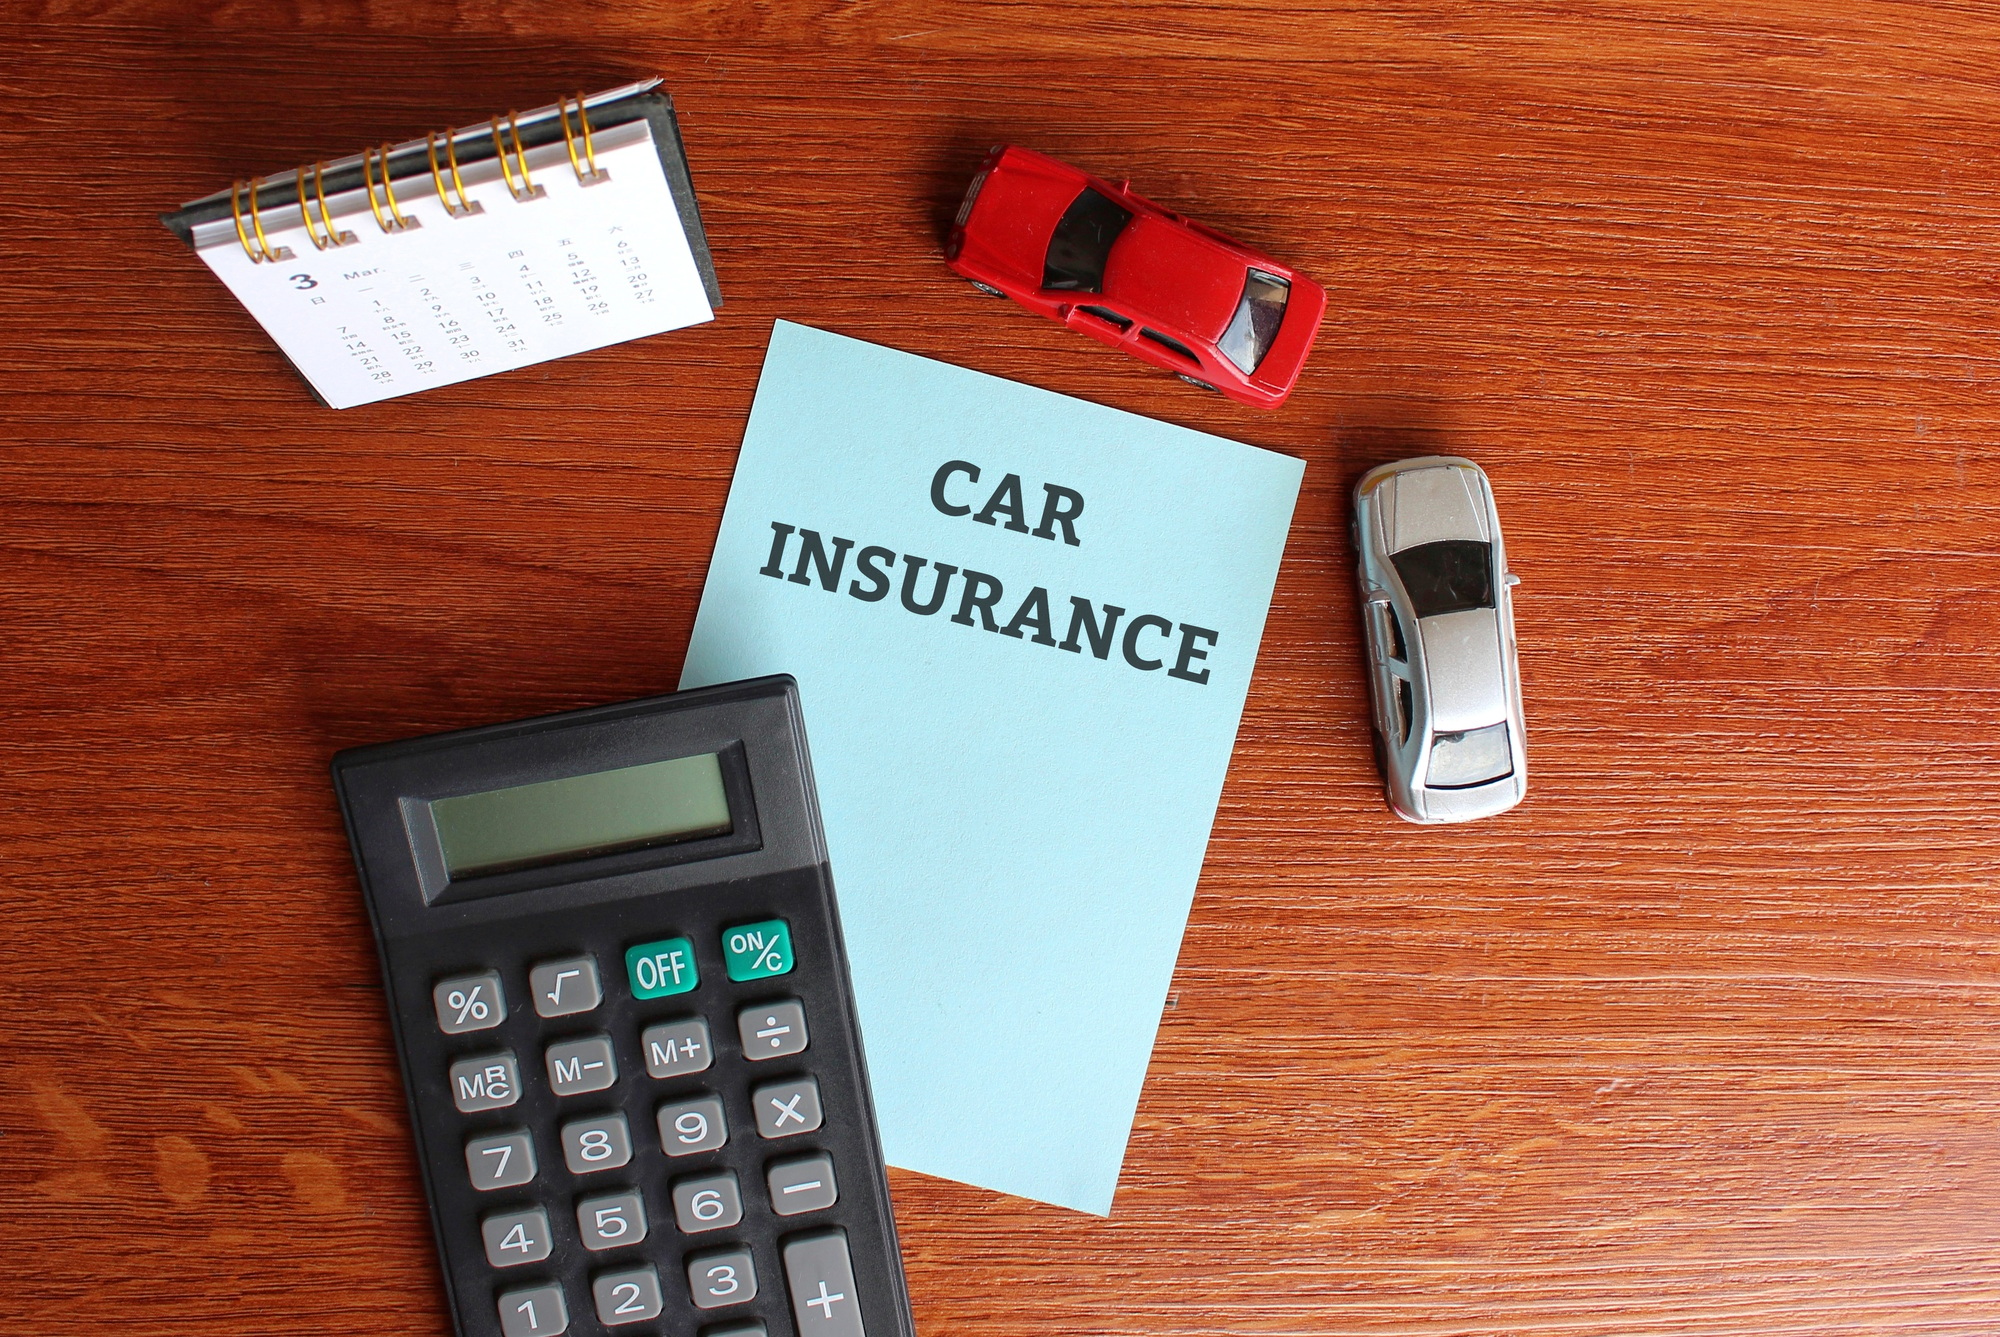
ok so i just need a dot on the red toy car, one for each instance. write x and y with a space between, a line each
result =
1125 271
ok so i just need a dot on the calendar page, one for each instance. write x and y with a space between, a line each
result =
451 296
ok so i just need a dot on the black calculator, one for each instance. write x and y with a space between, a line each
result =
620 997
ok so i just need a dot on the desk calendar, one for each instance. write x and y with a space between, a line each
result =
469 251
618 987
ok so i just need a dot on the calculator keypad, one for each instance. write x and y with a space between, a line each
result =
634 1062
641 1262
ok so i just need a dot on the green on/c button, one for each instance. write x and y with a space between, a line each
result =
656 969
758 951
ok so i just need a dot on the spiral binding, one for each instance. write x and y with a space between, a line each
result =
396 221
527 190
325 234
593 176
263 250
464 206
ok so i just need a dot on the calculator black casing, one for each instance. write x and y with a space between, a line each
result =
772 865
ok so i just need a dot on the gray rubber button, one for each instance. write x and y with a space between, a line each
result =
611 1221
820 1278
514 1238
500 1160
603 1143
786 1108
564 988
802 1185
710 1202
630 1296
537 1311
689 1126
676 1048
580 1066
469 1002
772 1030
728 1277
486 1082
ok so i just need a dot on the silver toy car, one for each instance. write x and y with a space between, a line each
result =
1436 596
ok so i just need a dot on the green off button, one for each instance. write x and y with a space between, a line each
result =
657 969
758 951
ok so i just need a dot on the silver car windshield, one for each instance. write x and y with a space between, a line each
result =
1475 757
1256 321
1449 576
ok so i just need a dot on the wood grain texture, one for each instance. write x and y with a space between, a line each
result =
1703 1040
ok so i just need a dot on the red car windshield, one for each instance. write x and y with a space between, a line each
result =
1256 321
1082 243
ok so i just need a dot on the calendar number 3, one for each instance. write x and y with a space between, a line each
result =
301 282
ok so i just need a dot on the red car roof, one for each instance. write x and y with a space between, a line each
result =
1162 270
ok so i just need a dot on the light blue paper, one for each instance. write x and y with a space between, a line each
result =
1015 829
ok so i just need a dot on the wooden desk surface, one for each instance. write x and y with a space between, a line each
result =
1703 1039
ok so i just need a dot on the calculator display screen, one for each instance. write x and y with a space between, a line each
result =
582 815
